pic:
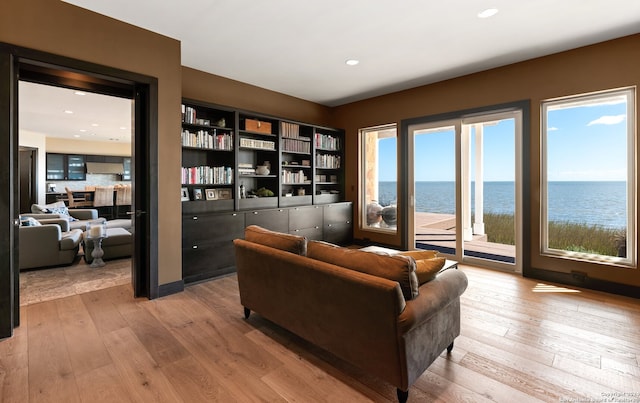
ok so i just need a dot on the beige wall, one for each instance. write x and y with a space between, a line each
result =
223 91
603 66
59 28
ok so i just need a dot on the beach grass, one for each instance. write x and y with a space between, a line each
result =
562 235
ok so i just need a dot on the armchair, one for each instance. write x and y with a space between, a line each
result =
47 245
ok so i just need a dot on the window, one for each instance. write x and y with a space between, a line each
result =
379 176
588 177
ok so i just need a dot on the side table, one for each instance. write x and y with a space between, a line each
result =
97 252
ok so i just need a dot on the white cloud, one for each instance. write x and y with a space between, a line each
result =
608 120
552 129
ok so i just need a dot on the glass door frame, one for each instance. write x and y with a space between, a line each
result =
519 110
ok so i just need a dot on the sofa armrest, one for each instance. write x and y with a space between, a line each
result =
62 222
434 295
84 213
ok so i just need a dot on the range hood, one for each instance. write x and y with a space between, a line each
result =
105 168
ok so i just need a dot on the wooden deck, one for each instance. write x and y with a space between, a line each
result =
437 231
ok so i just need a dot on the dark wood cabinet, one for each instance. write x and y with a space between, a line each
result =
70 167
338 226
207 244
306 221
274 220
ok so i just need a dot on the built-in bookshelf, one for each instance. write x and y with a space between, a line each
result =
241 168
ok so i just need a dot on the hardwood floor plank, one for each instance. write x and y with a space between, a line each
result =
140 374
51 376
158 341
478 383
85 347
102 305
103 384
603 377
434 388
14 365
194 383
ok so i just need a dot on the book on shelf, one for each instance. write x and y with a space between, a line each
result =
291 130
296 146
327 142
258 144
206 175
327 161
209 139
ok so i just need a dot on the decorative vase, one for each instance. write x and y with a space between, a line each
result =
262 170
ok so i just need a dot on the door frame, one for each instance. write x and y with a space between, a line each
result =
52 69
450 118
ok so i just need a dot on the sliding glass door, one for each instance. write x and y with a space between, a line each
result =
464 185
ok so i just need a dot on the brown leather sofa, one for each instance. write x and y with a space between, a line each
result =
366 308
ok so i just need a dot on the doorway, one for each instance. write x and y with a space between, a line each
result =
465 187
26 64
79 128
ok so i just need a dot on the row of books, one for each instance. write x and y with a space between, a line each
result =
327 178
291 130
259 144
246 169
327 161
209 139
296 146
294 177
327 142
206 175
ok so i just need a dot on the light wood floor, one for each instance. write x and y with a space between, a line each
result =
521 342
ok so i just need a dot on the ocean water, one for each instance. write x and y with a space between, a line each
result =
591 203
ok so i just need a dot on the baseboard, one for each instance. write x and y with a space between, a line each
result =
583 282
170 288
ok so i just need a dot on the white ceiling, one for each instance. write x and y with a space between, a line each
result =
299 47
45 110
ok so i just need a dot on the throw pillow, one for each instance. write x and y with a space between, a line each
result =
63 211
44 208
287 242
397 268
29 222
427 269
420 254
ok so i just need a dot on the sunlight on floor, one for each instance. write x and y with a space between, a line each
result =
551 288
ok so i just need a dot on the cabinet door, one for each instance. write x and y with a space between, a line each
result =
126 175
76 170
207 244
337 223
55 167
305 217
274 220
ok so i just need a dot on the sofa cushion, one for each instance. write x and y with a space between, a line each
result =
397 268
287 242
427 269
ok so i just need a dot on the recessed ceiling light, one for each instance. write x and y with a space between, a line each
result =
68 112
94 124
80 93
123 128
83 130
76 135
489 12
352 62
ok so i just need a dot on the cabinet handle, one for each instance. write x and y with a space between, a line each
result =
234 214
195 217
194 247
330 225
255 212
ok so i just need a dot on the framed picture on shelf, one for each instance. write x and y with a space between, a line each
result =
211 194
224 194
184 194
198 194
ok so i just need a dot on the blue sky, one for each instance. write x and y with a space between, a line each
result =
584 142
